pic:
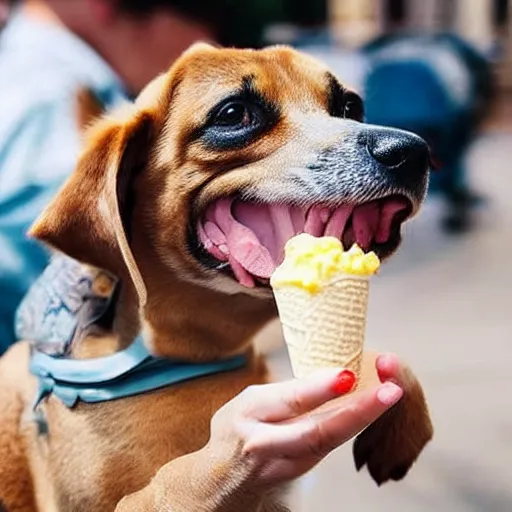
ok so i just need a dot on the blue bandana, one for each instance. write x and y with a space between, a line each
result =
126 373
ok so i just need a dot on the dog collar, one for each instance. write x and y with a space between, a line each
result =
130 372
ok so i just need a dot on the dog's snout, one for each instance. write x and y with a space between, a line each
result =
394 148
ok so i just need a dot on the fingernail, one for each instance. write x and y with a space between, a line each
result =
389 394
385 358
344 382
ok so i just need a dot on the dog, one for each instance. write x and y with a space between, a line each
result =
185 199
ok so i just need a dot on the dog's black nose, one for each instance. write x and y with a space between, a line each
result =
394 148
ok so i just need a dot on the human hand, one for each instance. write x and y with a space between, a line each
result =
271 434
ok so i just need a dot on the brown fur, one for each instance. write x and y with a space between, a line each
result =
88 108
103 456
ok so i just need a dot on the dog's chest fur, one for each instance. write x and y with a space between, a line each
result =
96 454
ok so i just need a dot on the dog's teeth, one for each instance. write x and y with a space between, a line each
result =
224 249
283 228
337 222
244 278
315 223
214 233
325 213
365 221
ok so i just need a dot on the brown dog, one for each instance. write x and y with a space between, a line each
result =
188 196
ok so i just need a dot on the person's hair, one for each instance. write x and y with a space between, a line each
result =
233 22
200 10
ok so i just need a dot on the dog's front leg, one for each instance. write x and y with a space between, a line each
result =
197 483
391 445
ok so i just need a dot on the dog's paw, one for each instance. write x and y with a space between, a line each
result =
391 445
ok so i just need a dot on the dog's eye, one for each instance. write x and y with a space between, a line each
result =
237 121
353 107
234 114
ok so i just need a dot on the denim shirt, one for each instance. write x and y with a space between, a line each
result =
41 68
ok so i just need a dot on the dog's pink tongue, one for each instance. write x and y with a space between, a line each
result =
245 249
389 210
250 236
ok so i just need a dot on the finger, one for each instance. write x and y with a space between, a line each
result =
285 400
391 369
315 435
388 367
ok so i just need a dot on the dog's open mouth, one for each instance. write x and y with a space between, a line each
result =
249 238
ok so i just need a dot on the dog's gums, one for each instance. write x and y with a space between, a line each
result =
250 237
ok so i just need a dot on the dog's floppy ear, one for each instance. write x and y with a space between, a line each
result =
90 219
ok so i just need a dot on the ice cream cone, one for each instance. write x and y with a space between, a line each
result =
326 328
321 292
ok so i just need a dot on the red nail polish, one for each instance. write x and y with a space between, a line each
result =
344 383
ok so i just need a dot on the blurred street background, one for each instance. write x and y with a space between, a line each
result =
440 68
443 302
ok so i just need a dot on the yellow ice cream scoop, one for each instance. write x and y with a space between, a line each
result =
312 262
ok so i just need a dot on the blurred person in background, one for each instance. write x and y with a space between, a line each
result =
5 9
51 49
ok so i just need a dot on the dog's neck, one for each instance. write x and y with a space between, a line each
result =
200 324
185 322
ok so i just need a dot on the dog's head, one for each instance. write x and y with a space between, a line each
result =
219 162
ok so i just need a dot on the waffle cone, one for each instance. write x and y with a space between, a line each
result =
326 328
